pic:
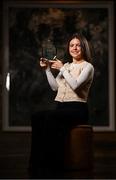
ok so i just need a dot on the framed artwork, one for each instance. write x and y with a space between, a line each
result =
31 27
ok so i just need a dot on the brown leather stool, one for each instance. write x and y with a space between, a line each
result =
79 152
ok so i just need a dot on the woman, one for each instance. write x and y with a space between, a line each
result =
74 79
72 84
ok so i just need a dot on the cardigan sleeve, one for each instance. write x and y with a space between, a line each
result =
85 75
51 80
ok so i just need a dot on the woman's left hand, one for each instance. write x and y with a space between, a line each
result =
57 64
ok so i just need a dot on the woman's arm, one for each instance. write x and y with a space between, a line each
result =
45 64
51 80
75 83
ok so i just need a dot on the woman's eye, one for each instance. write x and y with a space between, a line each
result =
71 45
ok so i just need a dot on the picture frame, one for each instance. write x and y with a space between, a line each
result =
26 24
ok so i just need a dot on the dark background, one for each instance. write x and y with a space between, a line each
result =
32 31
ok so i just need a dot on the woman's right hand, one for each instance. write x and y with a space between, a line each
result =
44 63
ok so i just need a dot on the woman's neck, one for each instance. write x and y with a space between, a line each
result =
78 61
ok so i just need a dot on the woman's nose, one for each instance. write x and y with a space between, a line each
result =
75 47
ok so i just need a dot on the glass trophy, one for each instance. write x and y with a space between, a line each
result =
48 49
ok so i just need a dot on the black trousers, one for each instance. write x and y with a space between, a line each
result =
49 131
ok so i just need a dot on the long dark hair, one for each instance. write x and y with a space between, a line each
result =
86 48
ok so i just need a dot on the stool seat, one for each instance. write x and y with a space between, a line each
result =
78 148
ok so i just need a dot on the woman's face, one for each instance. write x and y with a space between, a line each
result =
75 49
